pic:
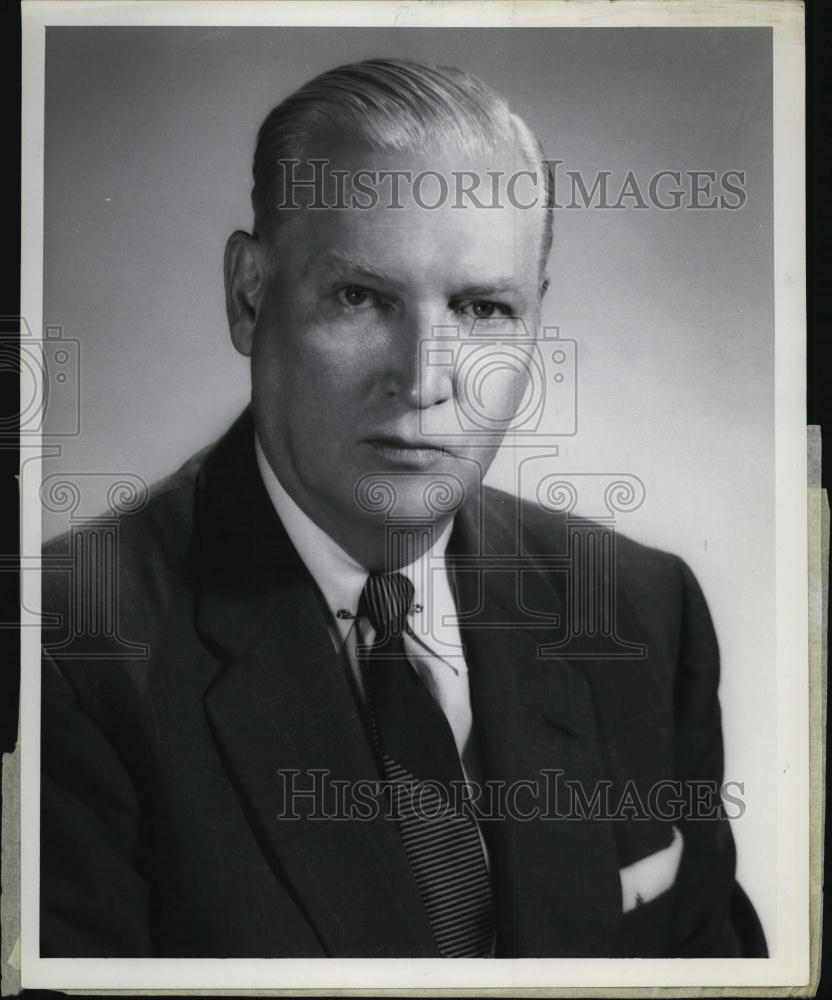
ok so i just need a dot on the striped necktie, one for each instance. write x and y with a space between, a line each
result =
416 750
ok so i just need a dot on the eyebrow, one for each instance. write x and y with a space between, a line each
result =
331 258
496 287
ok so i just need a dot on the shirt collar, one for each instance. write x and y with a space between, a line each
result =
339 577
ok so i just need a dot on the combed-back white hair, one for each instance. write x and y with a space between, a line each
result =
390 105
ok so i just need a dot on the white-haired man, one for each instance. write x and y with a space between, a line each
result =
351 727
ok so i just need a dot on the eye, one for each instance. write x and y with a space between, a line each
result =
355 296
482 309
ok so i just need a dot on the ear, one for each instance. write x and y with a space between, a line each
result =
245 277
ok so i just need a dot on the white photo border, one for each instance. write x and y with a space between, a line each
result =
789 964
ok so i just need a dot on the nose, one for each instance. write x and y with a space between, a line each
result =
420 372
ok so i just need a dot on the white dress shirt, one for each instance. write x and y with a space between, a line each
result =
434 648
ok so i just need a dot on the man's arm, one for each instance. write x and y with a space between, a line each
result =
94 902
712 916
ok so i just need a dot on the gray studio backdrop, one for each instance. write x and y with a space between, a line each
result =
149 134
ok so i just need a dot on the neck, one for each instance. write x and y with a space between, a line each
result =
388 547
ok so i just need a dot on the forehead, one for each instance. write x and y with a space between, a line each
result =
413 210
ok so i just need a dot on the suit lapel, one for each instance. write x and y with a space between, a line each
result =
556 880
283 709
283 704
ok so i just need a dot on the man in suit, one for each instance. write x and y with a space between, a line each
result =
343 629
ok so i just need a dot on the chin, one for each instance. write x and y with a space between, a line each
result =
421 496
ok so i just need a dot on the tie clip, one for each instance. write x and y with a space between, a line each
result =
344 613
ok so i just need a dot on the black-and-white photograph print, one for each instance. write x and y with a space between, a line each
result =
415 463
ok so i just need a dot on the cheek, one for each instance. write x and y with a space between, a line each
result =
307 339
493 382
311 379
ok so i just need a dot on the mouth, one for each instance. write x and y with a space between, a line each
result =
413 453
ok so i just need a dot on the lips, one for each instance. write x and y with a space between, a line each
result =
412 452
418 444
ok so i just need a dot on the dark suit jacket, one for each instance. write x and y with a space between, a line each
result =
162 793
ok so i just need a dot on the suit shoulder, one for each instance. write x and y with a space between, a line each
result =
158 510
145 541
654 589
546 532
